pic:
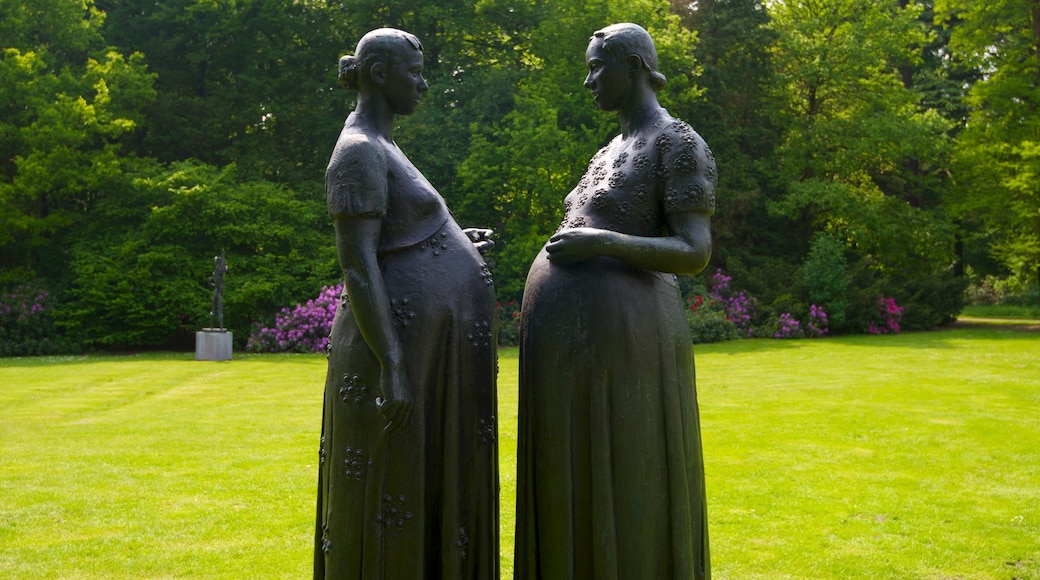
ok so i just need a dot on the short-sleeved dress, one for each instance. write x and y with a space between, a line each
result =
610 481
423 503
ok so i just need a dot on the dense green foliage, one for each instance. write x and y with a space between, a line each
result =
136 276
865 148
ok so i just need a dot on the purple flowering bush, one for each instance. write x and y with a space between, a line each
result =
787 326
26 327
718 312
303 328
740 307
817 325
886 317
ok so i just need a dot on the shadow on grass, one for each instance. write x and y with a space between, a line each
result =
938 338
942 337
158 356
48 360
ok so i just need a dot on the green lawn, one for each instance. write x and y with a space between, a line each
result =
1001 311
909 456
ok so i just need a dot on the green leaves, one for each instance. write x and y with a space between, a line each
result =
61 136
140 272
859 153
522 163
877 122
995 161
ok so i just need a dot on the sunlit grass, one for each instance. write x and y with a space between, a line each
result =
912 456
1027 313
909 456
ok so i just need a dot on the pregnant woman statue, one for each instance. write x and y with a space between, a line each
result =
610 481
408 476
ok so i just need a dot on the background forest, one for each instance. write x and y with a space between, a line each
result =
866 149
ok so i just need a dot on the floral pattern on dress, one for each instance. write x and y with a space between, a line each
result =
628 186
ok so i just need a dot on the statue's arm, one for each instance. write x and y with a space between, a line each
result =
358 224
356 241
689 204
685 250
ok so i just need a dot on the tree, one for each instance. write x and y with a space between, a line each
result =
521 166
863 159
997 156
738 117
140 267
67 107
248 82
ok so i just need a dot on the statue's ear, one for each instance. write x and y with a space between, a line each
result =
635 63
378 71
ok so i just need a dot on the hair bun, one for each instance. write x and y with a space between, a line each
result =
657 80
348 72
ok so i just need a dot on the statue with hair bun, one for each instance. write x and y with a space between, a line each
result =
407 460
610 475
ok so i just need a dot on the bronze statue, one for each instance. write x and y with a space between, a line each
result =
408 475
216 281
610 481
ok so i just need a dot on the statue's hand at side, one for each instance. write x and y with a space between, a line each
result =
575 245
396 402
481 238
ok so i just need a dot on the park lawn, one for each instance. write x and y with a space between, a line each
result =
908 456
1007 311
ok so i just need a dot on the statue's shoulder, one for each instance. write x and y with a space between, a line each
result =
675 138
356 178
678 131
358 149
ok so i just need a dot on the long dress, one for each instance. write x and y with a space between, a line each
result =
422 503
610 481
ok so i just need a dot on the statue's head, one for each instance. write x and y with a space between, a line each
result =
625 40
389 61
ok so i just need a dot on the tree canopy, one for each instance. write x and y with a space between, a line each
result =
865 147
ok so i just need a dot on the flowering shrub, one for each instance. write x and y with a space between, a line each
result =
25 322
787 327
739 308
707 320
886 317
508 322
304 328
817 324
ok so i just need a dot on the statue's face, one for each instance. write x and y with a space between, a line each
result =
404 83
608 78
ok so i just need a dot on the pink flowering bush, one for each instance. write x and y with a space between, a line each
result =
886 317
817 325
785 317
304 328
26 326
787 327
740 308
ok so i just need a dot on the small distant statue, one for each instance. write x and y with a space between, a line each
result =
216 281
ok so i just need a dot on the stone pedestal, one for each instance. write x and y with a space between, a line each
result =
213 344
